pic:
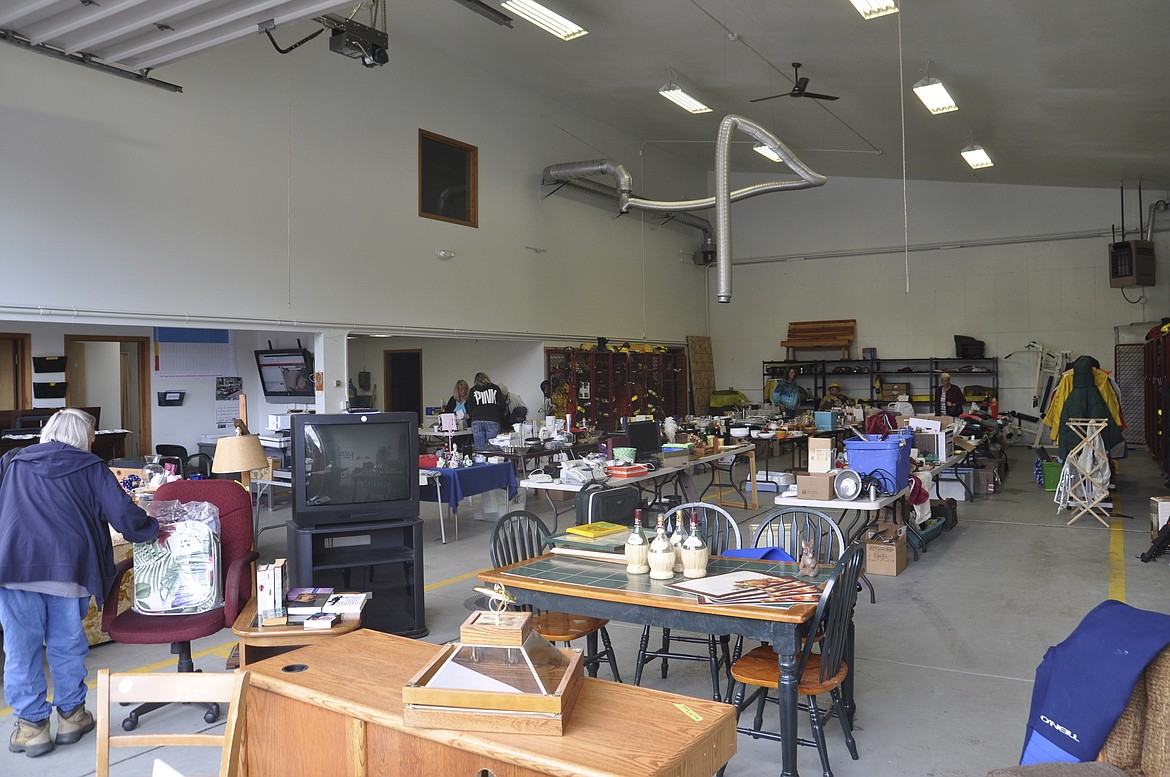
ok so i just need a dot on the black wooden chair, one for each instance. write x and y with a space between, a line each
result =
519 536
789 527
721 533
821 666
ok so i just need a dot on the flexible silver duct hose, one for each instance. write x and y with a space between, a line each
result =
565 174
723 198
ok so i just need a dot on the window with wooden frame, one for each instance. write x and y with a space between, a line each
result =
448 179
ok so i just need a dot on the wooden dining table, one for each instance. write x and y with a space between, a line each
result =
604 589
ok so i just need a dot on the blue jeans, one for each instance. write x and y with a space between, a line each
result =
482 431
40 624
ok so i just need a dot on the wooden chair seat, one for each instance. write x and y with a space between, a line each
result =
759 668
564 627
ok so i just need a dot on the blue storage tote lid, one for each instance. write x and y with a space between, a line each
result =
886 461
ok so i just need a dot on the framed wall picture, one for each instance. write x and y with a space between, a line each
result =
448 179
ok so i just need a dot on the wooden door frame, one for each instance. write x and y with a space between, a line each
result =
386 378
145 441
23 342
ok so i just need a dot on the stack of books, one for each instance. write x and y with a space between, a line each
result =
321 608
600 541
270 588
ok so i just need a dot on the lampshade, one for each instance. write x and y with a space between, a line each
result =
871 9
935 96
676 95
239 453
976 157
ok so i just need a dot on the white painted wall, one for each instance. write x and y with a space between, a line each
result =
1053 291
280 191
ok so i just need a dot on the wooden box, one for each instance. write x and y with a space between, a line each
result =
494 710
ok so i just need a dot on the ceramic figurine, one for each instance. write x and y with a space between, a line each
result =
808 560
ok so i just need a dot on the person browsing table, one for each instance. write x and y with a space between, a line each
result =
485 406
57 503
949 399
457 404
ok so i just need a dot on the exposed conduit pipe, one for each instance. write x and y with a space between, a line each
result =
610 193
723 194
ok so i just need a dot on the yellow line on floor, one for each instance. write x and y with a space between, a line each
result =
458 579
1117 551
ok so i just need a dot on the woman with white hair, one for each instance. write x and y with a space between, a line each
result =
57 503
949 398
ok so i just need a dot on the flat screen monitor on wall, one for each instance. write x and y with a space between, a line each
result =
285 373
643 436
354 468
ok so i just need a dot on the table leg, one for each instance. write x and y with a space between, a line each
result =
786 656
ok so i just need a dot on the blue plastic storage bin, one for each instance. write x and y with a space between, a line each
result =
888 460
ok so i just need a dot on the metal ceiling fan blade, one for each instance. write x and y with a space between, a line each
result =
773 97
801 85
816 96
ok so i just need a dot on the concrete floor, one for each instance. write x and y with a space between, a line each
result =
945 659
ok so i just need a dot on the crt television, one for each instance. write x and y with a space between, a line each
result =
285 373
354 468
644 437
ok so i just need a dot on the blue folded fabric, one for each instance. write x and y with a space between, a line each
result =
762 554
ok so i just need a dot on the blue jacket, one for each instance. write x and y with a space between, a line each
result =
55 504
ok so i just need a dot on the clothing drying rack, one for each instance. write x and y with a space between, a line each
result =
1085 480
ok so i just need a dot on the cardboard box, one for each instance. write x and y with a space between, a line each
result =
927 423
891 391
885 558
821 454
816 485
1159 512
987 480
962 443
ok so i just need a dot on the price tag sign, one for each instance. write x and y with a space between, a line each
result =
448 423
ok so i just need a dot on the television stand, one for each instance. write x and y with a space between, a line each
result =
384 558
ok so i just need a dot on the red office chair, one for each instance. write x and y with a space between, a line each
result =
236 554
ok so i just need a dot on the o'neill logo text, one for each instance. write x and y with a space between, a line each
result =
1060 728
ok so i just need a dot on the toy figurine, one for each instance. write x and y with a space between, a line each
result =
808 560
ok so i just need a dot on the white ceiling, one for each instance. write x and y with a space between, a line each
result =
1062 93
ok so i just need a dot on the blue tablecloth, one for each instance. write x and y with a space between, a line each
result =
465 481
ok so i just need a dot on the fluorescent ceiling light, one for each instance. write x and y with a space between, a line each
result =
935 96
872 9
976 157
766 152
545 19
676 95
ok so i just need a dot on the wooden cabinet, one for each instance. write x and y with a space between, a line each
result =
604 386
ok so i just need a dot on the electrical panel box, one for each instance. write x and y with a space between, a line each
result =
1131 263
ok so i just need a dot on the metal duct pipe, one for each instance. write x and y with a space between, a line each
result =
1154 208
570 172
567 171
610 193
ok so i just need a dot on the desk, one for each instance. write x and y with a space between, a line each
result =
342 715
260 642
467 481
682 472
521 460
604 590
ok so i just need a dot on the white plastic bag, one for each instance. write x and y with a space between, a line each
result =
180 572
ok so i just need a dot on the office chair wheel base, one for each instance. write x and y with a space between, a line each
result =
130 723
211 715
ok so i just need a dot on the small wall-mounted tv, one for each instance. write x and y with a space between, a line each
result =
285 372
354 468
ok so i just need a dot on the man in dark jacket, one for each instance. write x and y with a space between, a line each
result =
485 407
57 503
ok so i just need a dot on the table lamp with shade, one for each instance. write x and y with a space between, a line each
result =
240 453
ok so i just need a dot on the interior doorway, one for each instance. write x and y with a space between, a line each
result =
113 373
15 371
403 380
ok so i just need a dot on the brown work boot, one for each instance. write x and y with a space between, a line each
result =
32 739
71 727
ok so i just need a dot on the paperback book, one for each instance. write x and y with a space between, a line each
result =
306 601
345 603
321 620
751 588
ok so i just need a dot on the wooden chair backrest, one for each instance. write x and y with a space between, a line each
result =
136 687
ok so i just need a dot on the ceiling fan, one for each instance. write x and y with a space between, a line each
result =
799 90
